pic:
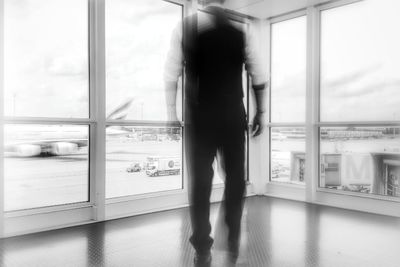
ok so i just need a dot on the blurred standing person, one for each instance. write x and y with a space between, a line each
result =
212 51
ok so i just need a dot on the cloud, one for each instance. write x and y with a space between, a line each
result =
67 66
294 86
389 89
342 80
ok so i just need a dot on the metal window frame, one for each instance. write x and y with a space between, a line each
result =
95 208
270 155
56 216
153 123
188 8
98 108
1 119
320 124
272 21
312 192
89 121
288 16
312 103
271 125
59 216
335 4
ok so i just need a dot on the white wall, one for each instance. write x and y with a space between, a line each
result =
269 8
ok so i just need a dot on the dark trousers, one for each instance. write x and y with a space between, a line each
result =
208 133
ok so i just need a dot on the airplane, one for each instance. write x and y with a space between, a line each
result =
61 140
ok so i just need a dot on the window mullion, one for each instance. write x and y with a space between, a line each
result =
312 103
98 107
1 120
47 121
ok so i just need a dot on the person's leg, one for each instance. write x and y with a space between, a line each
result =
233 148
201 153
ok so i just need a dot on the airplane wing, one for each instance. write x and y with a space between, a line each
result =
67 143
45 147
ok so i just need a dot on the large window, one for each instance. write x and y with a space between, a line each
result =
143 160
62 155
361 159
287 101
138 35
288 70
288 155
145 156
53 120
46 58
46 89
359 89
45 165
360 59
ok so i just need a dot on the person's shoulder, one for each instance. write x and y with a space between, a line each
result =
238 27
236 30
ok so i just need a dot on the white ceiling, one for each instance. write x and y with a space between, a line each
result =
269 8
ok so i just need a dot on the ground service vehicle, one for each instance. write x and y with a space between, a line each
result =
157 166
135 167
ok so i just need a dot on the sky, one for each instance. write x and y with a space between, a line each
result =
46 56
360 62
288 70
46 60
138 38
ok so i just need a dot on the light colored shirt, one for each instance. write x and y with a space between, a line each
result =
175 58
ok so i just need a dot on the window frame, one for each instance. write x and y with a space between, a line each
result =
312 192
151 123
1 118
322 124
90 122
270 125
98 208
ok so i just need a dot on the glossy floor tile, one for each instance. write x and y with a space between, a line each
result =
276 233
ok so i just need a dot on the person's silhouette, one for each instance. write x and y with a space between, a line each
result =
213 52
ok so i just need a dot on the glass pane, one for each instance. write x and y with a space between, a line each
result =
143 160
288 147
46 58
288 70
138 35
45 165
361 159
360 59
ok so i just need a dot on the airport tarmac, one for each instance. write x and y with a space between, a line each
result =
47 181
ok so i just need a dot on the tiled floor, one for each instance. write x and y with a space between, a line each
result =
276 233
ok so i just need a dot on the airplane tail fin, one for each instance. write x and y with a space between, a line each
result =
119 113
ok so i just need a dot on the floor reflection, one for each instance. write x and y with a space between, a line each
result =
276 232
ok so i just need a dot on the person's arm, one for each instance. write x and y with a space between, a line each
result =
258 76
172 72
170 97
258 120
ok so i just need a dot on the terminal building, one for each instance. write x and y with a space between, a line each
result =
92 172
